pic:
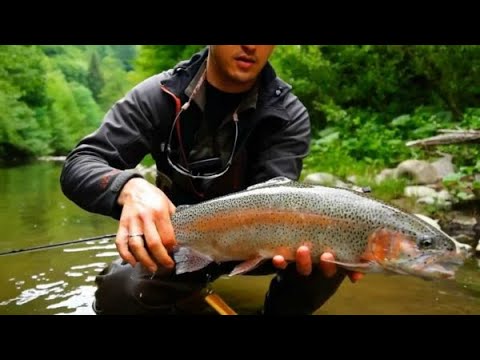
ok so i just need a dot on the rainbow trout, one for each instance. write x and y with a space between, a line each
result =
279 215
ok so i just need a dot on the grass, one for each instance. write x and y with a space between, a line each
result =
343 166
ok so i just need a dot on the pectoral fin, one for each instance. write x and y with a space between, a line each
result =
188 260
364 267
247 265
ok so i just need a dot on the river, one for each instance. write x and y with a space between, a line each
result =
33 212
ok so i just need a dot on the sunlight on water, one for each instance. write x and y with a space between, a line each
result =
87 248
78 301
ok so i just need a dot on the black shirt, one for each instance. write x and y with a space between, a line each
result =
213 135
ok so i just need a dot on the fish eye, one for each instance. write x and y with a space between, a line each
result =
426 242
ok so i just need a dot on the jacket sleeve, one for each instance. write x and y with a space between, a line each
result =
97 168
281 152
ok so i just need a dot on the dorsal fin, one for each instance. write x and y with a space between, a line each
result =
274 181
181 207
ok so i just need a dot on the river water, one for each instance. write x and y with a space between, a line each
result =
33 212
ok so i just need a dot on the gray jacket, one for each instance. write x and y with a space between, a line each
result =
274 136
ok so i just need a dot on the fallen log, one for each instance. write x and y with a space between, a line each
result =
448 137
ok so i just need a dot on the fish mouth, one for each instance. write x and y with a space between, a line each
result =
444 270
433 266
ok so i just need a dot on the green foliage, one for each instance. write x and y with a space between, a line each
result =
387 190
17 122
63 114
89 110
46 104
390 80
116 83
310 74
126 54
72 61
366 102
22 87
452 73
23 67
463 184
153 59
95 77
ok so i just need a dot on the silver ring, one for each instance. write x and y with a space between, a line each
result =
133 235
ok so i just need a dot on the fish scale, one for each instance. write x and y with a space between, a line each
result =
279 215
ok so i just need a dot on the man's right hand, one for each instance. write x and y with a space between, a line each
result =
146 210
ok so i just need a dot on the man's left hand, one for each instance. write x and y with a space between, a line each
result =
303 262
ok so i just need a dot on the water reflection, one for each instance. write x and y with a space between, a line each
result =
61 292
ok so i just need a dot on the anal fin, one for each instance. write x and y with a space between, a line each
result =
247 265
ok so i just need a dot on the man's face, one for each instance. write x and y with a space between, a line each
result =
240 63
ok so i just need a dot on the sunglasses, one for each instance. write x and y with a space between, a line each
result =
203 169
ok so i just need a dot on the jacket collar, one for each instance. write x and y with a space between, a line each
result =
249 102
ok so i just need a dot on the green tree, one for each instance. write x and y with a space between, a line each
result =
95 77
126 54
451 72
22 92
64 117
89 111
19 132
23 66
72 61
116 83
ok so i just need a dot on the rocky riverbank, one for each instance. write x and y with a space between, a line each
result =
433 189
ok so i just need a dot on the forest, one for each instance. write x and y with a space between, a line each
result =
365 101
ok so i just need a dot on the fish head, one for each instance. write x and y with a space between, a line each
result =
428 254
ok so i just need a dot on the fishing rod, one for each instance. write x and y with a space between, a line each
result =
42 247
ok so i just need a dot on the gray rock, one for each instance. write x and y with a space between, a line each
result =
321 179
419 192
419 171
444 165
385 174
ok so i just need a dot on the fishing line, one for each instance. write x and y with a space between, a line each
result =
43 247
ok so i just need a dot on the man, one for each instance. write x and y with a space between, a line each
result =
215 124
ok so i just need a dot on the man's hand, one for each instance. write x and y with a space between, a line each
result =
303 262
146 211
